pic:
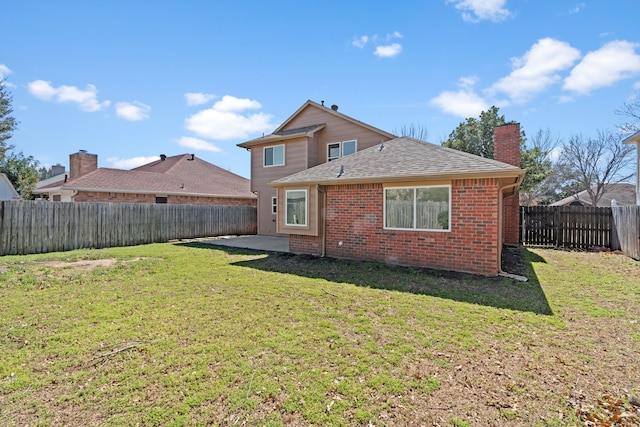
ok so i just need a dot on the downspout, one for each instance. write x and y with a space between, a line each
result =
501 231
324 220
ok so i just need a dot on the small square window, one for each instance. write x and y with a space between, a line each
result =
274 156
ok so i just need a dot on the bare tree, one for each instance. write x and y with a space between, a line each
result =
413 131
631 110
597 163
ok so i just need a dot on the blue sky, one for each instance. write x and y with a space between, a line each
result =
129 80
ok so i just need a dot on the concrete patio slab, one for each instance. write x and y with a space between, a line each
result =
256 242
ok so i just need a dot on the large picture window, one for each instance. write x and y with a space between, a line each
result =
336 150
274 156
418 208
296 207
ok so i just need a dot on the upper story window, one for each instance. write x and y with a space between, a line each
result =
274 156
335 150
418 208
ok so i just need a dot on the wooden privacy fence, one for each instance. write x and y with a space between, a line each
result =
42 226
627 226
569 227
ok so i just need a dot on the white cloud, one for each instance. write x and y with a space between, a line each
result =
617 60
132 111
360 42
4 71
198 98
577 8
463 103
479 10
537 69
86 99
131 163
227 119
388 51
383 46
197 144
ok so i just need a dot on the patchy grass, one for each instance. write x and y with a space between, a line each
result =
192 334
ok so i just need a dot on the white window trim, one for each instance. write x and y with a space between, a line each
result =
437 230
306 207
274 205
340 143
264 157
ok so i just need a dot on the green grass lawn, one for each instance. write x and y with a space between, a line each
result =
191 334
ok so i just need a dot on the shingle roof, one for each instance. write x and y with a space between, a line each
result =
284 134
401 159
174 175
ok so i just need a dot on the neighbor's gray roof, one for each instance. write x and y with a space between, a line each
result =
623 193
401 159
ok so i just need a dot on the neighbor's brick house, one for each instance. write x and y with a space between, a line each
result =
182 179
407 202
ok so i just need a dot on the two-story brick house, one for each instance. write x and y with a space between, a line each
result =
311 136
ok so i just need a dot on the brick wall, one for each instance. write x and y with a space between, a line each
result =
354 230
506 140
93 196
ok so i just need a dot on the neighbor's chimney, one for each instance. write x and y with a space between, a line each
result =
506 148
57 169
81 163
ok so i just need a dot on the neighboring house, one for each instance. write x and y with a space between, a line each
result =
635 139
623 193
313 135
7 190
182 179
408 202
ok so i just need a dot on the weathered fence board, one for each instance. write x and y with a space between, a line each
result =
42 226
570 227
627 226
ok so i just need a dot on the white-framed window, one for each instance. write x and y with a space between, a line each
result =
336 150
418 208
274 156
274 205
296 208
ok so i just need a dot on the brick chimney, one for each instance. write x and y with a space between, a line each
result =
506 148
81 163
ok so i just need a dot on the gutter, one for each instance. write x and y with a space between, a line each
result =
501 229
324 220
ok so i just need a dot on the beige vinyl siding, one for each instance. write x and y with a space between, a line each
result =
295 160
337 129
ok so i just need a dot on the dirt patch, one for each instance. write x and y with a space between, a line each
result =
82 265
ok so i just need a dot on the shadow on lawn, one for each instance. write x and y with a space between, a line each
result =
498 292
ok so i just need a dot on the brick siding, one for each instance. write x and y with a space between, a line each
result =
354 230
94 196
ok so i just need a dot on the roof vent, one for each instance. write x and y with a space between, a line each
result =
341 171
193 157
163 157
82 151
334 107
